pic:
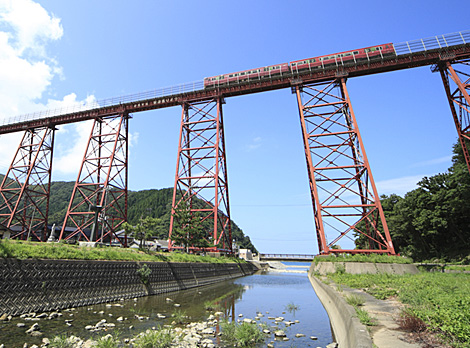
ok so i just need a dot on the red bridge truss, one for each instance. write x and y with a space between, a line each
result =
344 197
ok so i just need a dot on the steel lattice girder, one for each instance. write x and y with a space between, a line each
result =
101 186
201 171
25 189
458 96
344 197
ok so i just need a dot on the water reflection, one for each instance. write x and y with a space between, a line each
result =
261 297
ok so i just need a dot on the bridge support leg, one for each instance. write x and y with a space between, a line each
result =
25 189
458 97
345 200
201 187
98 206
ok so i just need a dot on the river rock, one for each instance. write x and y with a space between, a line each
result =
279 333
45 341
313 338
36 333
248 321
34 327
21 325
120 319
266 331
177 305
161 316
279 319
218 314
332 345
299 335
208 331
42 315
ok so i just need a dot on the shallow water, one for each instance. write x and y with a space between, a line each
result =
271 294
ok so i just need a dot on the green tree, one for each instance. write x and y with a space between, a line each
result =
433 221
188 230
143 230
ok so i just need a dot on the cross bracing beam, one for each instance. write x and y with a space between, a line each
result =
25 189
345 200
201 185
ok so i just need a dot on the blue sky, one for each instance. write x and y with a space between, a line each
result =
54 51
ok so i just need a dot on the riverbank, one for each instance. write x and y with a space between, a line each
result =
47 285
274 301
383 332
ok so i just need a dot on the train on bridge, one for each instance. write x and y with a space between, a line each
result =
299 66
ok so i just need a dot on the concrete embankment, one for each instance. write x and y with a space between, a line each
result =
45 285
347 329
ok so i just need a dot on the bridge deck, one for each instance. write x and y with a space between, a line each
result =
408 56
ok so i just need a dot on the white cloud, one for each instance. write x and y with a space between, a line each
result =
256 143
26 71
399 186
445 159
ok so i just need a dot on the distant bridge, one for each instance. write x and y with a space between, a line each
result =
286 257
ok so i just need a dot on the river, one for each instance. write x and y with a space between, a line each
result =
264 295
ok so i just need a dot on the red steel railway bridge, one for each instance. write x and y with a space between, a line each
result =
345 200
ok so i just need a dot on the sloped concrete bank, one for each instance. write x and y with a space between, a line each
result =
347 329
46 285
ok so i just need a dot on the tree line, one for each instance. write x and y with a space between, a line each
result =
432 221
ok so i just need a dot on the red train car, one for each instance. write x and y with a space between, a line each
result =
359 55
247 75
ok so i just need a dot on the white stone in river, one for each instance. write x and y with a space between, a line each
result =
177 305
120 319
313 338
279 333
240 315
299 335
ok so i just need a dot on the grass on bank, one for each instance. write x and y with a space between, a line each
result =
373 258
32 250
440 300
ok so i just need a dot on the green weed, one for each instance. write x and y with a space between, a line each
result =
160 338
355 300
365 318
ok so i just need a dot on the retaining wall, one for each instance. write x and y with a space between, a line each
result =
347 329
46 285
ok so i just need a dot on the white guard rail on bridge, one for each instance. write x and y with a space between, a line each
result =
408 47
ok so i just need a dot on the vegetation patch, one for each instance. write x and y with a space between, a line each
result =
373 258
439 300
34 250
242 335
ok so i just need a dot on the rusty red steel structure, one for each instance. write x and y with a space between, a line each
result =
345 199
98 205
201 173
25 189
456 79
102 181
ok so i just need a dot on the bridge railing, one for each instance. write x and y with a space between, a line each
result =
287 256
407 47
97 104
432 43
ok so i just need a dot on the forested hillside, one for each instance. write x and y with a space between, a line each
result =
153 203
433 221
